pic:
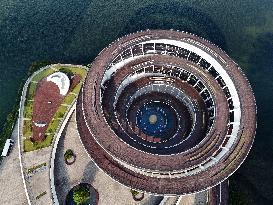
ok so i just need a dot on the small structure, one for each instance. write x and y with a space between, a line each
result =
61 80
8 145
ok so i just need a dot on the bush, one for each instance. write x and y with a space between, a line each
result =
36 65
40 195
81 195
68 154
67 71
32 169
134 192
60 115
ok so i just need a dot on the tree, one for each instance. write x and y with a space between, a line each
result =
81 195
68 154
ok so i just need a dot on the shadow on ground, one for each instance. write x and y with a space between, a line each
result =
62 181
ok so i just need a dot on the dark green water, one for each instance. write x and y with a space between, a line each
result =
74 31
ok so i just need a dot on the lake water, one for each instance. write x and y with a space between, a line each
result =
74 31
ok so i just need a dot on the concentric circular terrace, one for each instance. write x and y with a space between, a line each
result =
166 112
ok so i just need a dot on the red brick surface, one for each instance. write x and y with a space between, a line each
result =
43 111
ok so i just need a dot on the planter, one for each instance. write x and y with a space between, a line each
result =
137 196
71 160
93 198
69 157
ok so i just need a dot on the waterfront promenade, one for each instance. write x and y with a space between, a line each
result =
12 188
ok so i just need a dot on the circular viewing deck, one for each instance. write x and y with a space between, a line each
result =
166 112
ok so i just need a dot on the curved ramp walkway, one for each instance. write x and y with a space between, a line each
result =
84 170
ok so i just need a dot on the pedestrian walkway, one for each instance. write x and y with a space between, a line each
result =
84 170
11 178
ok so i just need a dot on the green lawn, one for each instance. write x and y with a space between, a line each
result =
42 74
75 70
31 90
31 146
60 112
77 88
28 109
69 99
53 125
27 128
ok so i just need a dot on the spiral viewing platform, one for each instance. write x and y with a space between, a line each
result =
166 112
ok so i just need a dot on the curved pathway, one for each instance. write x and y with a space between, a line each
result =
84 170
12 187
37 183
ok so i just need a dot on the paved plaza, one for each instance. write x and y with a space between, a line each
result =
12 188
84 170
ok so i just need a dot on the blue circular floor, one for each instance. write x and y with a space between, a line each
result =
156 119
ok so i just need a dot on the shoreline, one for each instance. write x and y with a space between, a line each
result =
30 159
12 116
8 126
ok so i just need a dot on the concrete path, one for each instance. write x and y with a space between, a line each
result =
84 170
38 182
194 199
12 190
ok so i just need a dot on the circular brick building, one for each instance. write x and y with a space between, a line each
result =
166 112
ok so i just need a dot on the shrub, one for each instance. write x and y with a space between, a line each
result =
134 192
81 195
32 169
68 154
40 195
67 71
60 115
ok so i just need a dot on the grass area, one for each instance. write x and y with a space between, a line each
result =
31 146
71 69
28 109
77 88
42 74
54 124
69 99
31 90
27 128
60 112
